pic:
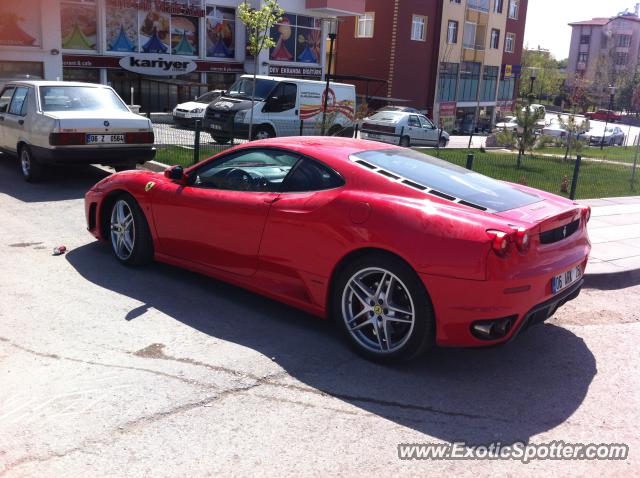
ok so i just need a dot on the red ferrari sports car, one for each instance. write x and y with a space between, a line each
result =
404 250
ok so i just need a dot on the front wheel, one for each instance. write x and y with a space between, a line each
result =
129 232
221 139
263 132
443 143
405 142
384 309
32 171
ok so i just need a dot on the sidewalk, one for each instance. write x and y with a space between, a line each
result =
614 230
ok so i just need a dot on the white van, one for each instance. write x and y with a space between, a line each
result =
283 107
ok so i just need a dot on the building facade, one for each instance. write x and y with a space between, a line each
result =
458 60
156 53
602 49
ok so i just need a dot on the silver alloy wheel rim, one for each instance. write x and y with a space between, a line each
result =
25 163
123 230
262 134
378 310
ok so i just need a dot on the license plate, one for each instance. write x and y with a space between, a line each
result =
216 126
105 138
564 280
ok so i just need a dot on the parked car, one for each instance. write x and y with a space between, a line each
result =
283 107
57 122
188 113
404 129
613 135
541 111
509 123
404 250
604 115
555 128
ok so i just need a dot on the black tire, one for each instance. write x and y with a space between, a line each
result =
124 167
221 139
263 132
32 170
443 143
413 339
141 251
405 142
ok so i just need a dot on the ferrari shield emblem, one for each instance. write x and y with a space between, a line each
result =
149 185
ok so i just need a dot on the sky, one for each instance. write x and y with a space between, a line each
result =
547 20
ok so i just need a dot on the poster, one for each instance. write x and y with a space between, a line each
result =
298 38
78 26
154 31
20 22
122 28
221 25
184 35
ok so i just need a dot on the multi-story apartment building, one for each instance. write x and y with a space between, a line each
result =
601 49
459 60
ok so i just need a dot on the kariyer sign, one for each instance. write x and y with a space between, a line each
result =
158 65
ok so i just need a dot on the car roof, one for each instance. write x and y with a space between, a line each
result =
295 80
53 83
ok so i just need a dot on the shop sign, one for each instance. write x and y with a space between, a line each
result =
158 65
296 71
447 108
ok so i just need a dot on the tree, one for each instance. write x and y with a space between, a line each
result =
550 78
574 128
527 118
259 22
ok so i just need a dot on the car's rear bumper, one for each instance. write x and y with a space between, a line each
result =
459 304
112 156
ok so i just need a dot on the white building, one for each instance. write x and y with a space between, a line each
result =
108 41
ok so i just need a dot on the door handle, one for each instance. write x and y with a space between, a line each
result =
20 122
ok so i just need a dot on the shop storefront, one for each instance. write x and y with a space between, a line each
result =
84 40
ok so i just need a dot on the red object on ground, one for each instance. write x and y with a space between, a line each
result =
59 250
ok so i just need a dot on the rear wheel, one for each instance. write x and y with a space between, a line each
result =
383 309
405 141
443 143
263 132
32 171
129 232
221 139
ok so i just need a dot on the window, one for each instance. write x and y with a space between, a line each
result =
455 1
5 99
469 40
79 98
469 80
621 59
514 7
495 39
254 170
447 81
498 6
604 41
482 5
585 39
489 83
414 121
19 102
283 98
364 25
419 28
452 32
310 175
510 43
583 57
623 41
426 122
506 89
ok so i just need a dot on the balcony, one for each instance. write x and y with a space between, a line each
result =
335 8
473 46
480 5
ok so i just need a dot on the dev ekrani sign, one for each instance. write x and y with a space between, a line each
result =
158 65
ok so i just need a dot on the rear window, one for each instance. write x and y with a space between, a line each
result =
448 178
79 98
390 116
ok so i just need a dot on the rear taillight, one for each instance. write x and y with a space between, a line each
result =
586 214
522 239
500 242
67 139
140 138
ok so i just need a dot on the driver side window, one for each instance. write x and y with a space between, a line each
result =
283 98
414 121
425 123
252 170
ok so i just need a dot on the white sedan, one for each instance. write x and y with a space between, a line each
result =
556 129
187 113
510 123
404 129
59 122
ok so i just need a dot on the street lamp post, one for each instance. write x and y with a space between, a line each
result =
612 94
532 78
332 24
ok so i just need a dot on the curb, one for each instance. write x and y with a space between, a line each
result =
612 280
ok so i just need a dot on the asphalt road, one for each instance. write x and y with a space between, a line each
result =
112 371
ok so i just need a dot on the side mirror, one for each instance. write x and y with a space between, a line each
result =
175 173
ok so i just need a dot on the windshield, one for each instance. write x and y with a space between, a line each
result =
80 98
244 86
207 97
448 178
390 116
